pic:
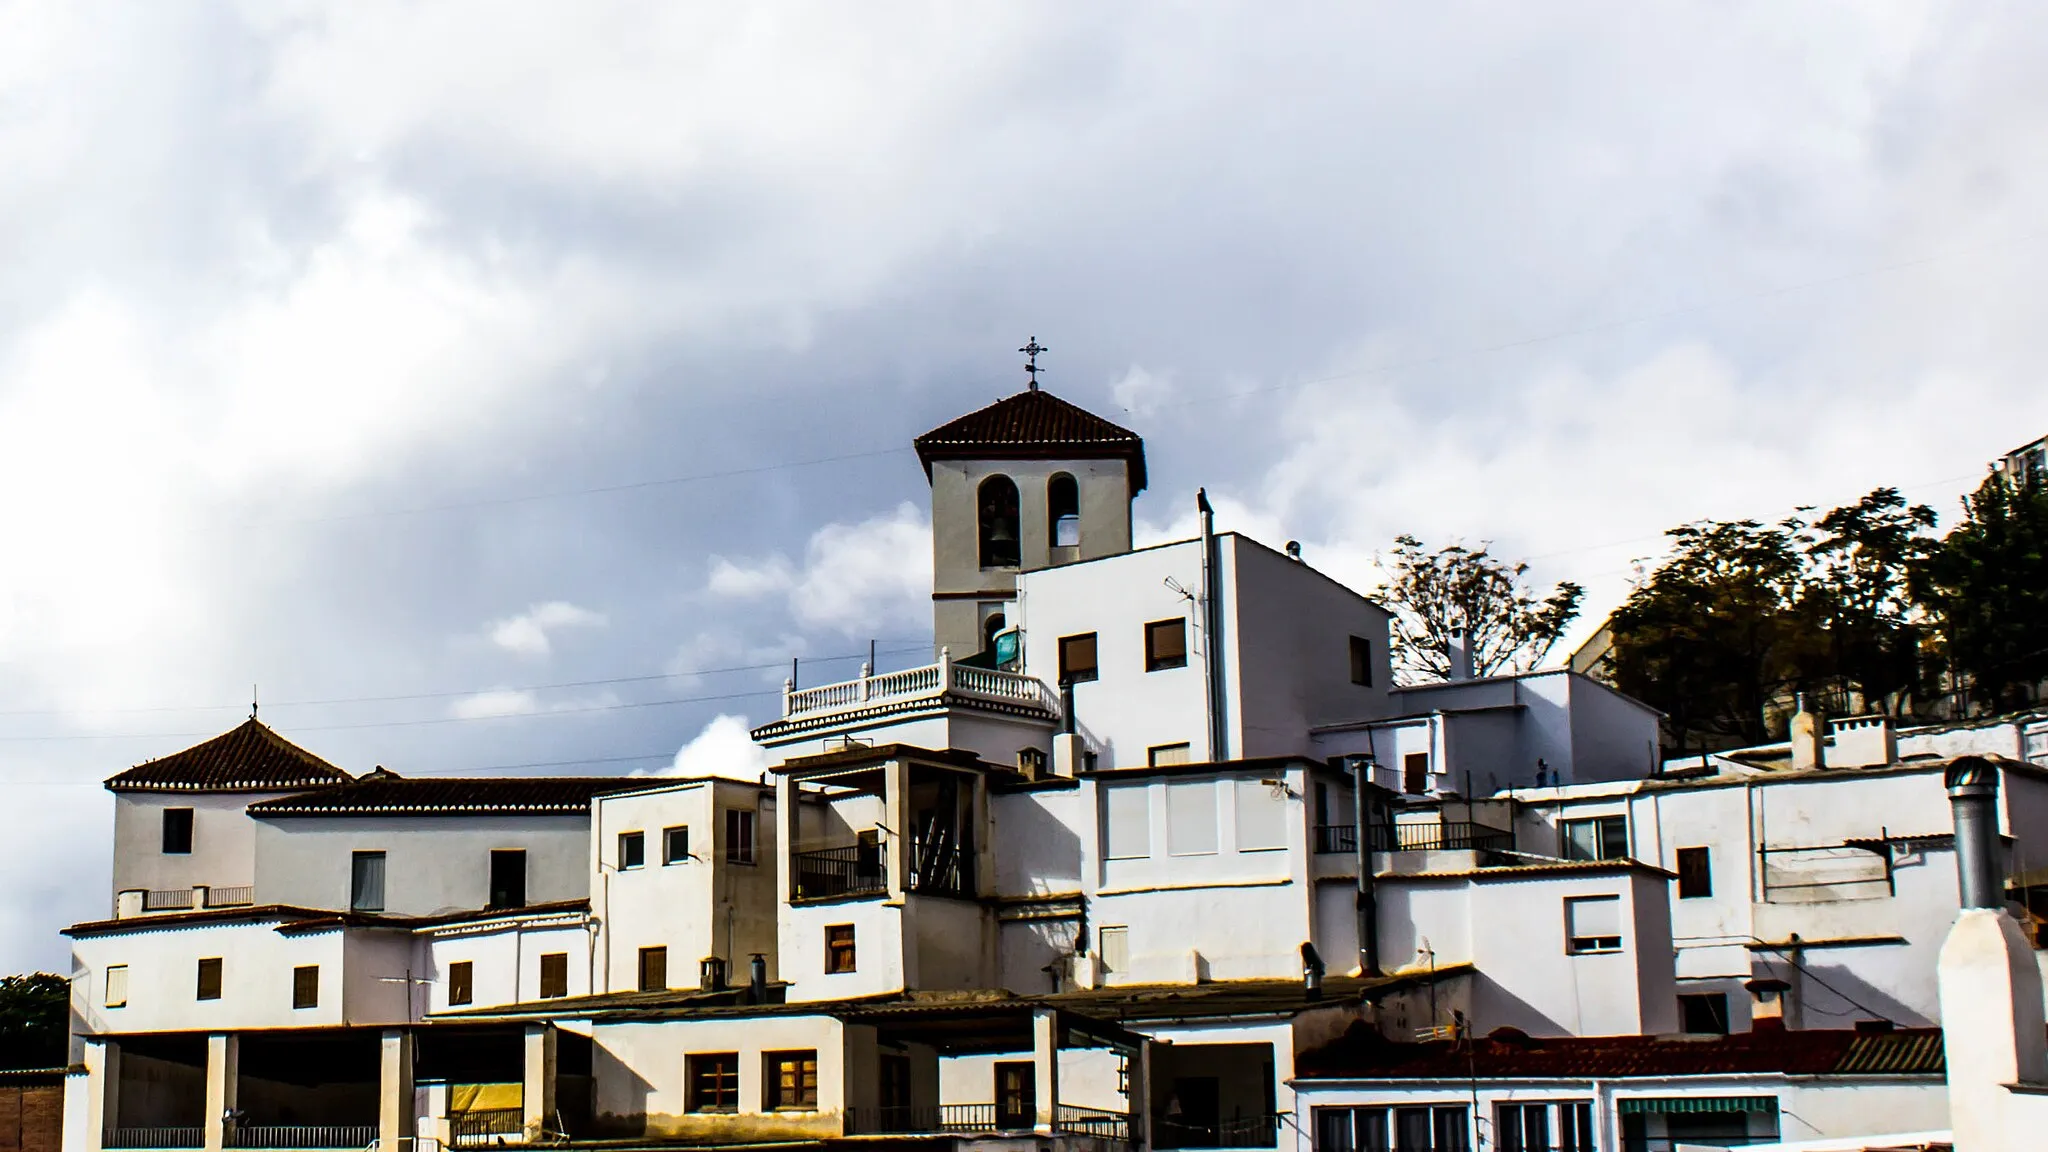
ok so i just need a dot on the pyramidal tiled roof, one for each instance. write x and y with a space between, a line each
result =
1033 425
249 758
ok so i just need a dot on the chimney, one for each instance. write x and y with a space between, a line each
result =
1809 734
1311 972
1767 1004
1458 647
757 978
1862 742
1994 1032
711 973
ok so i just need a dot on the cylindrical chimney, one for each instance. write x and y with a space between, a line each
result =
1973 801
757 977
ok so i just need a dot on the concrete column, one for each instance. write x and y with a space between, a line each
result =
394 1088
896 802
223 1084
103 1090
1138 1095
538 1098
786 826
1045 1066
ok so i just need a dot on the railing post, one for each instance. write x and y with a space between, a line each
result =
788 689
866 670
945 670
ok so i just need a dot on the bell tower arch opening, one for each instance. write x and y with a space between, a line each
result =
1063 510
998 524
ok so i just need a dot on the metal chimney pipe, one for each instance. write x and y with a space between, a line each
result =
757 972
1973 801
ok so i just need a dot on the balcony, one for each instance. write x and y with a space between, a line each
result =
1446 836
861 870
912 689
160 1137
970 1119
302 1136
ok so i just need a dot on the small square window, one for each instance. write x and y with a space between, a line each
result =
714 1082
177 831
117 986
838 949
1704 1012
461 982
1592 924
209 978
1361 661
1077 658
1166 645
1695 873
554 975
1596 838
675 844
791 1080
632 850
654 969
306 986
739 836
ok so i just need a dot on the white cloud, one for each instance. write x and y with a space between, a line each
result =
1140 393
495 702
723 748
527 633
702 659
855 578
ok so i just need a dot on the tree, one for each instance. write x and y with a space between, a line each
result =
1988 589
1433 594
35 1021
1857 594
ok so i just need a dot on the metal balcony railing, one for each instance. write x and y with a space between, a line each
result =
1447 836
1236 1132
1094 1122
1336 838
352 1136
154 1138
829 873
487 1126
904 1119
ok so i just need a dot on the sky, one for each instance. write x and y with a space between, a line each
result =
493 387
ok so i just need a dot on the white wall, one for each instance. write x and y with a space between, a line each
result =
223 841
504 957
638 1073
432 863
1290 628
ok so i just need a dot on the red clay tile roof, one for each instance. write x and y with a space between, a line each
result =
1033 425
384 793
250 758
1362 1054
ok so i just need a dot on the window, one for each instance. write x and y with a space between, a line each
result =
654 969
714 1082
991 624
1415 773
1361 661
1550 1126
508 878
1016 1095
1261 815
209 978
306 986
1063 511
791 1081
366 882
117 986
554 975
632 850
461 982
177 831
838 949
1163 755
1695 873
1191 817
998 501
739 836
675 844
1592 924
1422 1128
1127 821
1166 644
1116 947
1077 658
1600 838
1704 1012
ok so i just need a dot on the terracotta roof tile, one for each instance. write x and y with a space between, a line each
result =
384 793
250 758
1033 425
1362 1053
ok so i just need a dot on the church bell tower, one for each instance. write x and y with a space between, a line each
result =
1028 482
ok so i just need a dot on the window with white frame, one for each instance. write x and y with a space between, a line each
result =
1191 818
1261 815
1388 1128
1592 924
1127 821
1596 838
117 986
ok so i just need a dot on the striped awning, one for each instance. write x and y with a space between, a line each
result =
1670 1104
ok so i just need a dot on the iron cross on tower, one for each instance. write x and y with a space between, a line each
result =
1031 367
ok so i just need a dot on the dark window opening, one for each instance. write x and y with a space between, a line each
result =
1166 644
632 850
508 877
306 986
1361 661
989 627
177 831
839 955
1704 1012
461 982
675 844
1598 838
1063 511
1077 658
209 978
1415 773
654 969
739 836
1016 1094
366 882
791 1081
714 1082
1695 873
554 975
998 520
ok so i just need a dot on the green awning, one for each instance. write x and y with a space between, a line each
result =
1668 1104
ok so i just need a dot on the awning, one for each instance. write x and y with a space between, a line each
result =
1670 1104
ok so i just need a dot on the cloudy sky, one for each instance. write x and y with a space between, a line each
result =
518 389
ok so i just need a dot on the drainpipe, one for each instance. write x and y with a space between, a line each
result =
1212 617
1368 896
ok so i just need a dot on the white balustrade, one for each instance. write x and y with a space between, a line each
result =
911 684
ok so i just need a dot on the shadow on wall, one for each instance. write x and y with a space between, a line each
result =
1831 996
1495 1007
620 1108
1052 863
